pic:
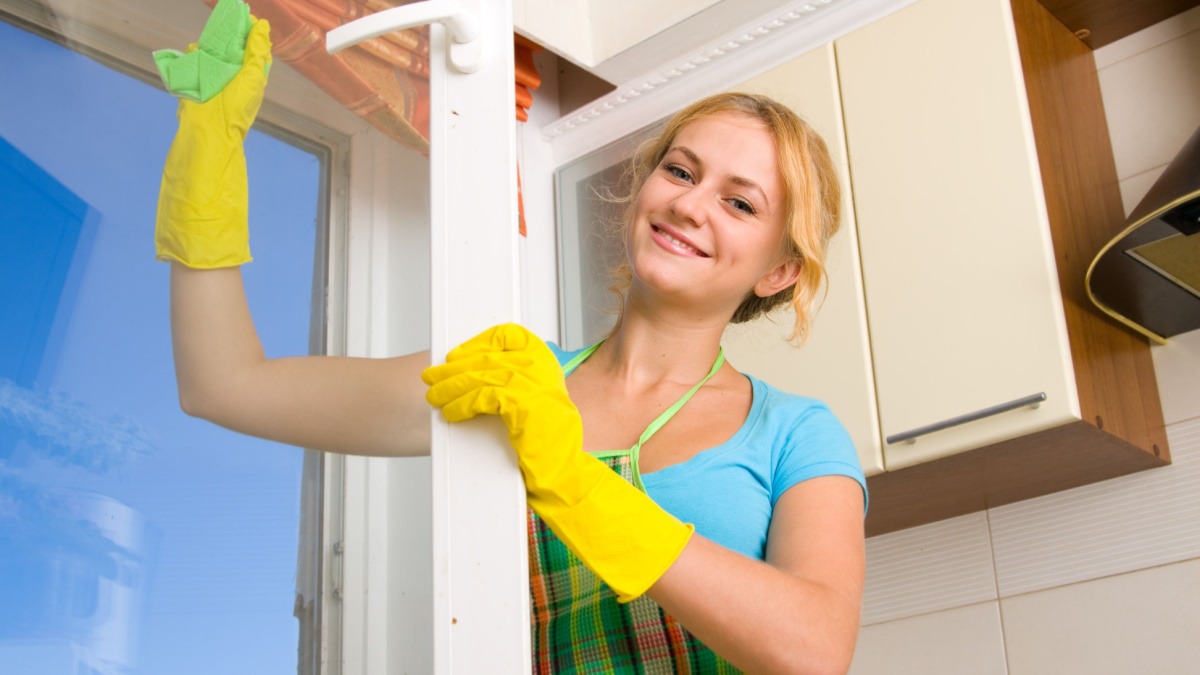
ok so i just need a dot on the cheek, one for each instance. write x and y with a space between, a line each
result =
757 256
636 218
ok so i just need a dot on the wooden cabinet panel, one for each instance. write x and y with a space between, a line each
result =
965 309
835 364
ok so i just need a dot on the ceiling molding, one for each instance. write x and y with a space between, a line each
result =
749 49
707 25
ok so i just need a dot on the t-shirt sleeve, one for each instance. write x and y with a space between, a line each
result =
815 444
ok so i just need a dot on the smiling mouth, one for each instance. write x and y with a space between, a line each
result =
681 244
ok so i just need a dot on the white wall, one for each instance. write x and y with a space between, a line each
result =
1099 579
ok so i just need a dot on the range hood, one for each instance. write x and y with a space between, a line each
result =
1148 277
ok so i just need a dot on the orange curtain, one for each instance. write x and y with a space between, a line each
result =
385 80
527 75
527 79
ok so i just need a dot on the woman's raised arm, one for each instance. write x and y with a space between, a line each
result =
347 405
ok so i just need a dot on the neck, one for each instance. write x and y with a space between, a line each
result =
652 345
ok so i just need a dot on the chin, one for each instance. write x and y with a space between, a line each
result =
660 275
659 285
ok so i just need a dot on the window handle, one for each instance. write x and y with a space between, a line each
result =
911 436
465 44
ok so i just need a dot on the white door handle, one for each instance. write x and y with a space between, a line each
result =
464 46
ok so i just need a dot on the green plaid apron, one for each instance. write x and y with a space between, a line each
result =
578 625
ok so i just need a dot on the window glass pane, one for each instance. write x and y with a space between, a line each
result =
133 539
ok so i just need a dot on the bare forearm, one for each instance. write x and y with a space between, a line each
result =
761 619
337 404
353 406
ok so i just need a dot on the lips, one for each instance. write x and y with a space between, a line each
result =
676 241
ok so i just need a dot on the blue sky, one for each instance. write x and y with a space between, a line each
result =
202 522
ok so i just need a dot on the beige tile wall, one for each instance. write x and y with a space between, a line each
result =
1120 525
1101 579
1144 622
1151 87
968 642
926 569
1177 366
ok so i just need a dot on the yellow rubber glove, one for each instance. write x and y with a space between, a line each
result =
615 529
203 205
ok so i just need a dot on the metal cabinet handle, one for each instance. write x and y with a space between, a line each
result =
911 436
464 45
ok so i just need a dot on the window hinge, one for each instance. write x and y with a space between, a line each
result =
336 575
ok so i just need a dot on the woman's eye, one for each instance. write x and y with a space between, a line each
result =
742 205
678 172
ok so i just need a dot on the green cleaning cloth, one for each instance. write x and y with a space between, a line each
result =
200 73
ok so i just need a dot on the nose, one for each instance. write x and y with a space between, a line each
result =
692 205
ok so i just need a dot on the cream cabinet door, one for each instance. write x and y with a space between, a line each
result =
835 364
961 289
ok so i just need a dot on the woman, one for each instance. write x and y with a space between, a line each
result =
730 213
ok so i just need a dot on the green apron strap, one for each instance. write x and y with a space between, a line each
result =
662 419
571 365
670 412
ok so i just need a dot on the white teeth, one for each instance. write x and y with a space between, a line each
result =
675 241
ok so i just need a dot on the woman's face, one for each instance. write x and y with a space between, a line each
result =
708 223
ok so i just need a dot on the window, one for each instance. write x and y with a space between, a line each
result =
135 539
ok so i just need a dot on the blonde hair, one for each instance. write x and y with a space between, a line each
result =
813 199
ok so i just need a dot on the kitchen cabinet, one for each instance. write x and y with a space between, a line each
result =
982 171
980 183
957 260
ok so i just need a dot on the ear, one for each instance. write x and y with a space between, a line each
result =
780 277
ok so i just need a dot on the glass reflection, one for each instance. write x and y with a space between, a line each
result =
133 539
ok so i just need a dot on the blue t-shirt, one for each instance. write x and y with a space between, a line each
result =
729 491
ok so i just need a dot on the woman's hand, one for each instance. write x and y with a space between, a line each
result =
616 530
508 371
203 201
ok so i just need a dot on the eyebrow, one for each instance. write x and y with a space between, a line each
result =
736 180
